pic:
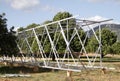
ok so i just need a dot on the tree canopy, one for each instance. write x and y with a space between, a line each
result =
108 38
3 25
8 45
61 15
116 48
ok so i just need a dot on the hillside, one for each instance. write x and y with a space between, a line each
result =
113 27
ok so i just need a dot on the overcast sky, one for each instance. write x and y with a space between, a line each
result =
21 13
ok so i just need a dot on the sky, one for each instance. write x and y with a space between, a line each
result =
21 13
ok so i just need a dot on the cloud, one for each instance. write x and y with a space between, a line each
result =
95 0
51 9
98 18
94 18
116 1
29 5
24 4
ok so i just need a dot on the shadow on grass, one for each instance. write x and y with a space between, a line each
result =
21 69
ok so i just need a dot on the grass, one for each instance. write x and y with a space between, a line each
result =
95 75
43 74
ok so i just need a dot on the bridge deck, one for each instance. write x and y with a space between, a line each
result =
53 65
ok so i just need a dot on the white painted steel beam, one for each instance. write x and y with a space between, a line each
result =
58 64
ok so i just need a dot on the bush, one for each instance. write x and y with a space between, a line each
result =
116 48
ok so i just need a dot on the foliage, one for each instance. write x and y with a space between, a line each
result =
61 45
116 48
35 47
33 25
92 45
8 45
61 15
20 29
75 44
3 25
108 38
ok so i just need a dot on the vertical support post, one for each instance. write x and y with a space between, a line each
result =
83 47
53 47
22 58
66 41
69 73
39 45
28 45
100 45
69 76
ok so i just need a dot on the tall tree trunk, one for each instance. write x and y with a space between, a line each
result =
53 57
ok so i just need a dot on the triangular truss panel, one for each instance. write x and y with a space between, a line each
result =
61 44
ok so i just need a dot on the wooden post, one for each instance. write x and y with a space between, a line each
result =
5 63
35 69
69 76
104 71
69 73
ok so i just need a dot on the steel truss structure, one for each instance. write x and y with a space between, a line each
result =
52 33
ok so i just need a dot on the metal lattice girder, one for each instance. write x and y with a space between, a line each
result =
53 33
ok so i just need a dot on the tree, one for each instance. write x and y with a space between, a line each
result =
116 48
108 38
92 44
33 25
71 23
75 44
61 15
8 45
20 29
61 46
3 25
3 32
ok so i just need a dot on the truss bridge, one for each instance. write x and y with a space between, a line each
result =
59 45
